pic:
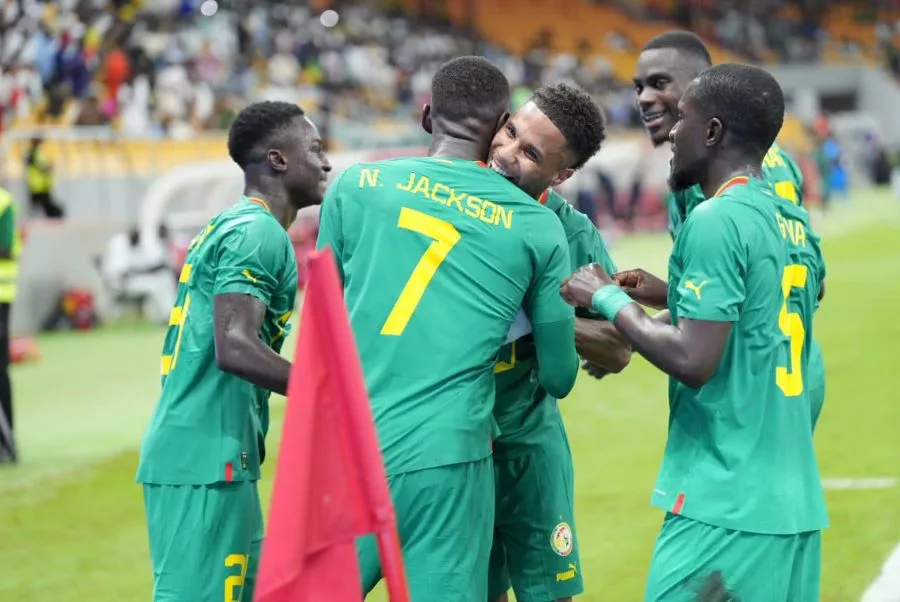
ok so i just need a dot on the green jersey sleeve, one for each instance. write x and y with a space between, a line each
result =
709 249
249 259
542 302
552 319
557 358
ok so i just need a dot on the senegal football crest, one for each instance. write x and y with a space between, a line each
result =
561 539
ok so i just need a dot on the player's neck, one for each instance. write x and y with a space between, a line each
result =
720 172
467 147
276 201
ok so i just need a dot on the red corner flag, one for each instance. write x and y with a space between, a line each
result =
330 484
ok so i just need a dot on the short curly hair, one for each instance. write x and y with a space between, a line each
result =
748 101
684 42
258 126
467 86
576 116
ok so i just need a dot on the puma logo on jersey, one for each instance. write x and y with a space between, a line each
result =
250 276
695 287
566 575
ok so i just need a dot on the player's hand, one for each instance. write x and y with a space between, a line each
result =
593 369
579 288
643 287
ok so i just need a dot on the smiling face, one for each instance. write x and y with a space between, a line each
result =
531 152
660 79
692 138
304 163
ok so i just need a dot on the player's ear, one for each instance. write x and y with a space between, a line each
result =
426 118
502 121
561 176
715 131
275 159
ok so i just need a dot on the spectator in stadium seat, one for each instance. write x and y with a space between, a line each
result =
138 269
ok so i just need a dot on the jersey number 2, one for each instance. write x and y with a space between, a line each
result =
234 584
791 324
445 237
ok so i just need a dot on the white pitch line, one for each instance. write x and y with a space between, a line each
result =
886 587
839 484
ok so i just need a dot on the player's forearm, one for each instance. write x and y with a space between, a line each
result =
556 355
664 345
238 319
600 343
255 362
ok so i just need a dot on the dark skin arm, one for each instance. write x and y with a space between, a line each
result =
598 371
593 370
664 317
239 350
690 351
644 287
600 344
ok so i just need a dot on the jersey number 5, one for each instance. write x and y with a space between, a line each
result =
445 237
791 381
177 318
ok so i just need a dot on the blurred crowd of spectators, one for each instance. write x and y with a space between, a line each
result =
191 67
179 67
788 30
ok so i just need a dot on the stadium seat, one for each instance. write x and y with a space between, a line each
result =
515 24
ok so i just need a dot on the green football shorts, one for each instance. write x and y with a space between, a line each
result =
696 562
204 541
535 549
445 516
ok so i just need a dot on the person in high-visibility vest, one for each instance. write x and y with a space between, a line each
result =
10 248
39 177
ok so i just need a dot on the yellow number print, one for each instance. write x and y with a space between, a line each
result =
445 238
176 318
234 584
786 190
791 381
504 366
281 324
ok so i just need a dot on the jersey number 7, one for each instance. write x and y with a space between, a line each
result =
445 237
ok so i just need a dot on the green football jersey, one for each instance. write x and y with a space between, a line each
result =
209 425
523 409
778 169
740 451
437 257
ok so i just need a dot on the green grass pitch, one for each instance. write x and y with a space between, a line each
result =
71 516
